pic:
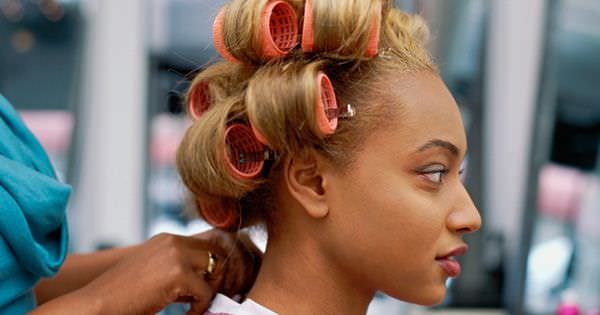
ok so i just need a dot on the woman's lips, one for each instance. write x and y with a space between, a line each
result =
448 261
450 266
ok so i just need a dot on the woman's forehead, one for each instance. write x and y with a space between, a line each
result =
428 113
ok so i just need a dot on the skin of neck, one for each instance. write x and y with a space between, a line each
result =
300 274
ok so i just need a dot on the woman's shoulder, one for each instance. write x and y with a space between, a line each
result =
223 305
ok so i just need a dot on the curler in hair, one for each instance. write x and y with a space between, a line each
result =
278 31
218 37
326 106
199 100
308 31
374 33
244 154
222 216
326 109
259 136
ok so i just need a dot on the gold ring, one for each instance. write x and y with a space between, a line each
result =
212 264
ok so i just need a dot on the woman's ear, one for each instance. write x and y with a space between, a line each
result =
305 182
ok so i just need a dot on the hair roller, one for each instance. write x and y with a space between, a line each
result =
244 153
279 29
277 33
283 118
326 105
259 136
374 33
218 37
308 30
199 100
339 43
222 214
300 112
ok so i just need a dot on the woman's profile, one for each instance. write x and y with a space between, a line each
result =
328 125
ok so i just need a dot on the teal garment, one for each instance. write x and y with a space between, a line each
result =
33 227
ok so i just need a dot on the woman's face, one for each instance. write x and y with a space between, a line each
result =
401 206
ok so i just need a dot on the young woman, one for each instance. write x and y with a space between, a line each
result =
328 124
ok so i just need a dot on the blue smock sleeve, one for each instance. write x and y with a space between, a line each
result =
33 227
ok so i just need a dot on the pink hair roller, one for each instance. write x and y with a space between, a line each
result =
199 100
259 136
244 154
222 217
326 109
278 29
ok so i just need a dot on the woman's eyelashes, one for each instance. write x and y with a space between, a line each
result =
436 173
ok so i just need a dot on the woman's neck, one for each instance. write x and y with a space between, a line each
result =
296 278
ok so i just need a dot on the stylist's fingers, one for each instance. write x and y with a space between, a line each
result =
202 258
242 267
237 260
200 294
220 242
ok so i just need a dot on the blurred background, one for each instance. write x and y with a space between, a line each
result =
100 84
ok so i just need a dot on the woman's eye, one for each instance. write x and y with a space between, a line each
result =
436 176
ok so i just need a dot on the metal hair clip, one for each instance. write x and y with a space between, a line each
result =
342 112
252 157
386 53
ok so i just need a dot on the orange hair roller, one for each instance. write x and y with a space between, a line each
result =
326 109
223 216
199 100
244 154
278 31
326 105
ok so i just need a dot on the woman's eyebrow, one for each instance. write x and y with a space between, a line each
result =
437 143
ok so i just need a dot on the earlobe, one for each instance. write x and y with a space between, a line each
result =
305 183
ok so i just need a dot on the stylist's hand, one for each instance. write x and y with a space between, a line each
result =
169 268
240 266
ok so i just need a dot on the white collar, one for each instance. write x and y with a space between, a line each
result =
222 305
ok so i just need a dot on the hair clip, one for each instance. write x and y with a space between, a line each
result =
245 155
199 100
278 31
308 32
343 112
386 53
224 216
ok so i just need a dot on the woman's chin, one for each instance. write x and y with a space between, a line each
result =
427 296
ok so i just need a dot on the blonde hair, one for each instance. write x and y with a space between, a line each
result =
277 97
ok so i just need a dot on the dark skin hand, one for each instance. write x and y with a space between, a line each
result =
150 276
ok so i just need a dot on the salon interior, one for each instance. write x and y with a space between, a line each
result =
100 83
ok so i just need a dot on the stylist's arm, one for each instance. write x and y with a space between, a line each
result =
139 280
146 278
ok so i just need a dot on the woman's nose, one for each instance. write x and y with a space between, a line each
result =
464 218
